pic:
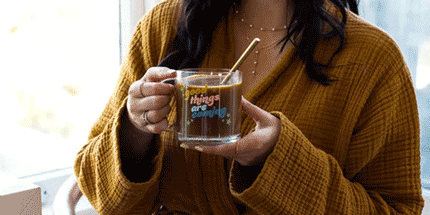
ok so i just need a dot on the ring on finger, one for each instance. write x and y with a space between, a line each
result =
145 118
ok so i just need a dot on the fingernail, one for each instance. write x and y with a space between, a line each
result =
198 148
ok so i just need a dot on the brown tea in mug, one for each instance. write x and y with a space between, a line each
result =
208 113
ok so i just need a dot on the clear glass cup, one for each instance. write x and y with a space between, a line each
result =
208 112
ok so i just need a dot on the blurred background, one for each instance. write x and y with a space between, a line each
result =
408 22
59 61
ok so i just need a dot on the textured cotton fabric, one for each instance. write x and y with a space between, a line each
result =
349 148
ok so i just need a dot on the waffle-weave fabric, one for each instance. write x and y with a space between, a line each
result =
349 148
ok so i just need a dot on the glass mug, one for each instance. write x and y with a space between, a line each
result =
207 112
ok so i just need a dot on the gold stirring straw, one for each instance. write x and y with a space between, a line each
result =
241 59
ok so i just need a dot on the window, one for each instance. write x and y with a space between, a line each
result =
60 61
131 11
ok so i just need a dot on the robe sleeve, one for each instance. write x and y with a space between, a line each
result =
298 178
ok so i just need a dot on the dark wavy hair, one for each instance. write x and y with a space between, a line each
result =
194 37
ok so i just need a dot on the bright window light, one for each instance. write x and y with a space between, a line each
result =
59 61
423 68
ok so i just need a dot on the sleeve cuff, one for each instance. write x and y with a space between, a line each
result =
293 166
155 164
243 177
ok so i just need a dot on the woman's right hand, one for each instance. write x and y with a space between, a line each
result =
149 96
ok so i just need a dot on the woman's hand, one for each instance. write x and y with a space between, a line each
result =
254 147
148 98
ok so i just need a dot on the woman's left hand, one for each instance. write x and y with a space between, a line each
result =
253 148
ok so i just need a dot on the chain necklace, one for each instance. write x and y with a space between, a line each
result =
261 28
258 51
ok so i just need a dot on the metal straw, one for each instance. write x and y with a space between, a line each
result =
241 59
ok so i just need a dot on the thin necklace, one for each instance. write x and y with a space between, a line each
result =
261 28
252 26
258 51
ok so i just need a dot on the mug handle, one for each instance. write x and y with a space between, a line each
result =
172 127
171 81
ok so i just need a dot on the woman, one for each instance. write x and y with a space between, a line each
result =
331 123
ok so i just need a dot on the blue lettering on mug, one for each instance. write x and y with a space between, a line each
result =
211 113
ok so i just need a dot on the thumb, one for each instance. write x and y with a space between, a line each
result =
260 116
